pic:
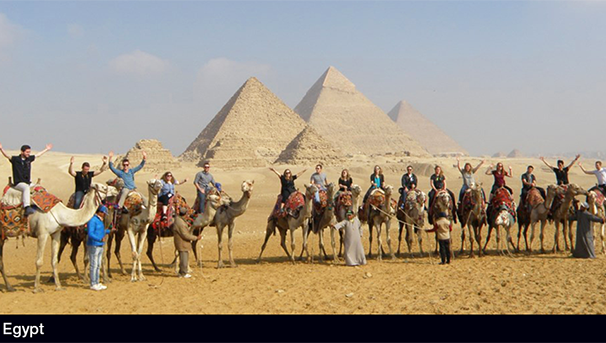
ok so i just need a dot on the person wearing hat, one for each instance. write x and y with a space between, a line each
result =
584 246
94 244
183 239
442 227
352 242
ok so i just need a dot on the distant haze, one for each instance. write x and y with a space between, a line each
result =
495 76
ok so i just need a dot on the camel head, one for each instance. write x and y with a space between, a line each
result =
356 190
247 186
504 218
215 201
105 191
154 186
443 201
117 182
388 190
575 190
310 190
415 198
331 190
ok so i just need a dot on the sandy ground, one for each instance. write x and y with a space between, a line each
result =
537 283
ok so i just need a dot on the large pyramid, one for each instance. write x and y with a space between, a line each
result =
348 120
251 130
309 148
422 129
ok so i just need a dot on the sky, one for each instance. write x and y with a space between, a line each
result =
95 76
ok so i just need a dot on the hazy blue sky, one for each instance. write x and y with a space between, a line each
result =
95 76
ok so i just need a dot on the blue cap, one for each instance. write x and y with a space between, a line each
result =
102 209
218 186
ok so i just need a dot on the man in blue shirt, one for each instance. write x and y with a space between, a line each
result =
128 176
96 236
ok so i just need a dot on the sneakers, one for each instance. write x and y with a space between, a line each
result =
98 287
186 276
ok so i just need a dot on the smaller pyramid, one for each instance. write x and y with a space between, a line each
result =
515 153
309 148
423 130
158 158
499 154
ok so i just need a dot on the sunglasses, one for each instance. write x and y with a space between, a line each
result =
125 164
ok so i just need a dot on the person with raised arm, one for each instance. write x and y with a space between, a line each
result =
128 176
287 184
561 172
84 178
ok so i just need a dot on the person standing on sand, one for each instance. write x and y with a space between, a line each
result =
442 227
183 241
128 176
22 172
84 179
94 245
584 246
352 242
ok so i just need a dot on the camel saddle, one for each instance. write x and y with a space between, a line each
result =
344 199
319 207
501 200
213 191
292 206
159 224
134 203
533 197
11 215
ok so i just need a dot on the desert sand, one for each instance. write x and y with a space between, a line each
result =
537 283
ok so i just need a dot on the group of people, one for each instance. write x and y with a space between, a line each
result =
204 183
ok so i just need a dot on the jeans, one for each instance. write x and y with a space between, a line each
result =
202 197
444 250
25 197
94 255
78 196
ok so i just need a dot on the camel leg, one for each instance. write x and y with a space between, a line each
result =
108 254
119 237
532 227
141 241
292 245
487 238
520 228
387 227
269 230
8 285
602 233
64 242
104 265
305 236
565 234
42 237
370 226
472 230
133 246
74 257
335 259
321 244
56 240
571 235
151 239
230 244
380 243
419 240
556 246
463 238
220 245
478 236
401 226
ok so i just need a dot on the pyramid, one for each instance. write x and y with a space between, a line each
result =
251 130
309 148
158 158
351 122
422 129
515 153
499 154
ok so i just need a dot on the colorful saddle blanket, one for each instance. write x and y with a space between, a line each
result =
11 217
134 203
294 203
319 207
501 199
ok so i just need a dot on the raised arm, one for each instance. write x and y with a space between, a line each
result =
103 167
478 166
489 170
137 168
300 173
275 172
573 161
583 169
4 153
70 170
547 164
47 148
510 174
459 165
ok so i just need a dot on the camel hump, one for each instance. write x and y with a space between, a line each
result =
534 197
134 203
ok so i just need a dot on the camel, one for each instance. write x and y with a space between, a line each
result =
474 217
202 220
348 202
291 223
562 213
136 227
538 213
49 224
503 217
595 199
320 220
413 216
226 217
377 216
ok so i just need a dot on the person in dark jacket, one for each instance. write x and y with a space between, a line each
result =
377 180
287 184
94 244
183 239
409 183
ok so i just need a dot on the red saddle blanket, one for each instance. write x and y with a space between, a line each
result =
323 201
294 202
11 217
134 203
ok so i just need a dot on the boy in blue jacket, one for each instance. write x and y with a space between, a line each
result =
96 237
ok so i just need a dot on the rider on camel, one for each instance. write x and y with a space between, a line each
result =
561 172
528 182
438 184
600 174
468 179
409 183
499 179
287 185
